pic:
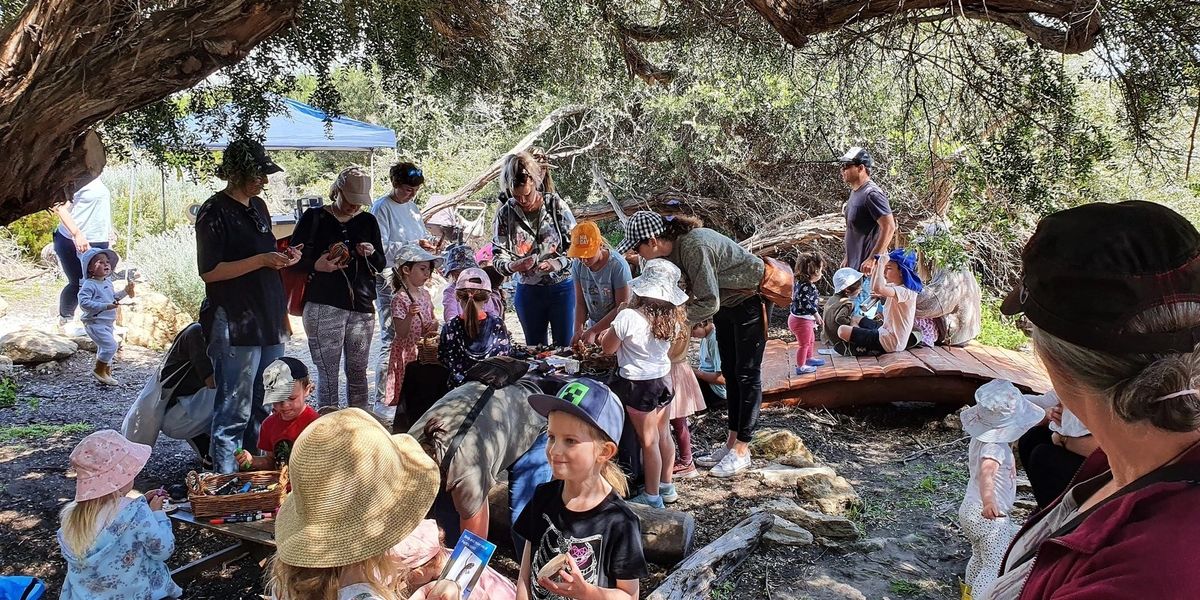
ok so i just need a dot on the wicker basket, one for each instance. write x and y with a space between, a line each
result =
204 505
427 350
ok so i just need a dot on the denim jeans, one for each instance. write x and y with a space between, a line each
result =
238 408
68 298
539 306
387 332
524 475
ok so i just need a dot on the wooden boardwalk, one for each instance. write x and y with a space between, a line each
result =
942 374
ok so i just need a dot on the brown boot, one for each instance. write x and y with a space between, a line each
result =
103 374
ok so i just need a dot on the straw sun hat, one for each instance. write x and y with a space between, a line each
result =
356 492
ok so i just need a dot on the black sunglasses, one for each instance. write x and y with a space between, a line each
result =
415 172
258 221
521 178
848 165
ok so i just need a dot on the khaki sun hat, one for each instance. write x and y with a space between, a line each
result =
356 492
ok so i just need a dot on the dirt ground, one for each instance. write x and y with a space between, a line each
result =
909 505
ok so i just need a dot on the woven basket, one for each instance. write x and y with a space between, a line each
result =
204 505
427 350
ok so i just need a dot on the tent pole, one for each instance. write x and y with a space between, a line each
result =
164 198
132 195
372 167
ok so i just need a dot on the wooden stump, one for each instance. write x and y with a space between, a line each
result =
695 577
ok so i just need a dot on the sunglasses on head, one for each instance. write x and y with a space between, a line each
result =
258 221
415 172
521 178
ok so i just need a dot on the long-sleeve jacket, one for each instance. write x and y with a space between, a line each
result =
548 234
127 560
720 270
96 296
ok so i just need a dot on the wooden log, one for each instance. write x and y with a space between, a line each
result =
667 535
695 577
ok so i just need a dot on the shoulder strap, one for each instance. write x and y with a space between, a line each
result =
466 424
34 582
1189 473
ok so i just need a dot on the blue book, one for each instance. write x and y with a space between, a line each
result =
467 562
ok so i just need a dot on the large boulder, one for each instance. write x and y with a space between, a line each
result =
821 588
775 443
828 526
829 491
30 346
783 476
152 320
84 342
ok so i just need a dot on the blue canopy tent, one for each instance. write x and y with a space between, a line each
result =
303 127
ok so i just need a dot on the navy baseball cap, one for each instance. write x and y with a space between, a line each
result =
589 400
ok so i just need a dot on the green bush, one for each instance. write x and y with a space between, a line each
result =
33 232
168 261
999 330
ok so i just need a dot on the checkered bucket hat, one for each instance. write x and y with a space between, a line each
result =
640 227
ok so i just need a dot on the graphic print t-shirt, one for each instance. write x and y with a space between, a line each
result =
606 541
278 435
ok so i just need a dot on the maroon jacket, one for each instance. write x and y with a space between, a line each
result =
1145 544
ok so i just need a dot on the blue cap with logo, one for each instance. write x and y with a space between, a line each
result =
589 400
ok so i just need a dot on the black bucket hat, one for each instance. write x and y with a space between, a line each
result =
1088 270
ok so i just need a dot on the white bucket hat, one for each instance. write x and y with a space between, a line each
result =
659 280
844 278
1071 425
1001 413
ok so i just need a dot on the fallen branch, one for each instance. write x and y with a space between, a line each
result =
618 210
780 235
925 451
711 564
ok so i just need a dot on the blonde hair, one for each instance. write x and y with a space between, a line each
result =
609 470
286 582
514 164
83 521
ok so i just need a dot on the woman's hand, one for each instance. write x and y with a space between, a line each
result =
326 264
991 511
522 265
365 249
81 243
545 267
274 260
570 584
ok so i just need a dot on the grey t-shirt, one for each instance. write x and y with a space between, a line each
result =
504 431
867 204
600 287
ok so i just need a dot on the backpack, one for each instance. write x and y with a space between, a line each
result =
21 588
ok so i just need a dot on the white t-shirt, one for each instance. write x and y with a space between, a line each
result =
398 222
641 356
898 316
91 209
1006 476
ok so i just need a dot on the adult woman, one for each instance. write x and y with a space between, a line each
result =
343 252
601 282
85 222
531 237
724 279
1116 318
244 312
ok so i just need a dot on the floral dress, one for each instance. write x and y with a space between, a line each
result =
459 353
404 349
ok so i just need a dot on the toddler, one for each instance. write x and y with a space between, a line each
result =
839 307
98 301
804 314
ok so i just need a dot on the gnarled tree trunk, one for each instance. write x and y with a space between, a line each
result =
67 65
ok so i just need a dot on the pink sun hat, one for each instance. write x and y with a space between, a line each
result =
105 462
419 547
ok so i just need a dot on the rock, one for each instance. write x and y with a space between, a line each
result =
152 321
52 367
6 365
777 475
821 588
30 346
830 526
48 257
1024 504
802 461
774 443
1023 485
84 342
787 533
830 492
953 421
869 545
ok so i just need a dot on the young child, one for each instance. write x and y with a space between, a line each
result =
708 372
475 334
999 417
898 287
286 391
412 319
641 336
689 400
580 512
839 307
804 314
98 302
423 555
115 547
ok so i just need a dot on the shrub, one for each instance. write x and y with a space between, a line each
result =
999 330
33 232
168 260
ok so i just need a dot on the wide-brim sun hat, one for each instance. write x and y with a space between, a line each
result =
1001 414
639 227
845 277
106 462
357 491
659 279
457 258
85 259
399 253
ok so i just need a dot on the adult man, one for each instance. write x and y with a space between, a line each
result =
869 221
399 223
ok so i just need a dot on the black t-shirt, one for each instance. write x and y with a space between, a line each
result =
606 541
351 288
227 231
187 363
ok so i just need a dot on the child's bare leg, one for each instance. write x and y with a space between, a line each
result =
844 332
646 426
666 445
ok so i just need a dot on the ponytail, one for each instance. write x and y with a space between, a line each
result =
472 304
615 478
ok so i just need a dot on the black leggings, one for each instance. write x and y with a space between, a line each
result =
1049 467
741 340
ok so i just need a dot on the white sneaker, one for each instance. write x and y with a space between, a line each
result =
731 465
711 459
385 412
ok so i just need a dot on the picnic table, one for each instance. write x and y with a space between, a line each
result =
255 539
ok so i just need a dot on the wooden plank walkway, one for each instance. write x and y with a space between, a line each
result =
940 374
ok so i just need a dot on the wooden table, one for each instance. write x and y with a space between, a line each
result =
255 539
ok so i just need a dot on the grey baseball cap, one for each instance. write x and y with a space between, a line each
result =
589 400
280 377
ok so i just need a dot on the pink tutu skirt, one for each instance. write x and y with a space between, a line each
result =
688 398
